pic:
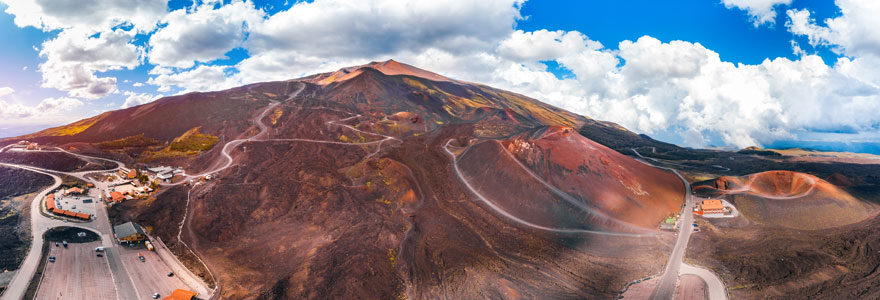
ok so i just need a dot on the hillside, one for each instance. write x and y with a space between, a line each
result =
356 184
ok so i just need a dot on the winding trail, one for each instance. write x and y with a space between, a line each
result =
229 161
674 267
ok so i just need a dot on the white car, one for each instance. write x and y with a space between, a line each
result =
156 296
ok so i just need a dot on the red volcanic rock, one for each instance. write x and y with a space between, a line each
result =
542 173
389 67
721 183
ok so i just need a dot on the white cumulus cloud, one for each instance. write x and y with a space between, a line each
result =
47 107
856 32
135 99
203 35
6 91
760 11
74 57
91 15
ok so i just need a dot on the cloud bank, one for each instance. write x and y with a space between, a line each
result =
678 90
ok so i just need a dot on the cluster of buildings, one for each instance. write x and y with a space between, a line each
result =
165 172
26 145
54 208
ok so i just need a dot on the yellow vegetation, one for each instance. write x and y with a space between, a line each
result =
190 143
70 129
414 83
276 115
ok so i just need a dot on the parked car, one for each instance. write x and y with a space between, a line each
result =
51 259
100 254
64 243
170 274
156 296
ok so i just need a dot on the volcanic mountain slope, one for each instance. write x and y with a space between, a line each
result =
570 181
789 199
360 187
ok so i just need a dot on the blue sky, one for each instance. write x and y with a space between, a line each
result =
724 73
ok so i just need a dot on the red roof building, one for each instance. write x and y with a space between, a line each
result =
116 196
74 190
50 202
179 294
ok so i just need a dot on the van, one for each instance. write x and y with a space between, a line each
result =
99 249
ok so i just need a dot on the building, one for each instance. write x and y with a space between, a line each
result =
159 170
712 208
129 233
50 203
74 191
127 174
179 294
116 196
164 176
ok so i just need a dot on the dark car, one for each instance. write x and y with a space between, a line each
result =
170 274
51 259
100 254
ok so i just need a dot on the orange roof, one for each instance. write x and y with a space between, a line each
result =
132 174
68 213
179 294
82 216
50 202
712 204
90 184
75 190
116 196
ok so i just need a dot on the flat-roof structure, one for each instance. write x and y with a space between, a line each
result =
159 170
129 232
712 204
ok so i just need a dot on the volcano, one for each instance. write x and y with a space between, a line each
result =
789 199
388 181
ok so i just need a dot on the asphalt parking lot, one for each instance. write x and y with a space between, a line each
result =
150 276
77 273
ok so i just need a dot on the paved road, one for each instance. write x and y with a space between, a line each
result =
666 289
715 286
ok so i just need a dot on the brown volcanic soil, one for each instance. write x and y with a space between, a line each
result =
58 161
789 199
770 262
299 219
17 188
